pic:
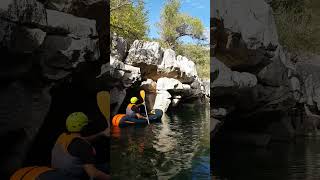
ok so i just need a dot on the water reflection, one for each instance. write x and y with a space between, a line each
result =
295 161
178 148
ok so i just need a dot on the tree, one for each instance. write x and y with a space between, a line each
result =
300 16
128 18
174 24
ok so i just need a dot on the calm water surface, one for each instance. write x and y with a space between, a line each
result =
299 160
177 148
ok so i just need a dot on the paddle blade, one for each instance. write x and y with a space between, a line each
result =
143 94
103 100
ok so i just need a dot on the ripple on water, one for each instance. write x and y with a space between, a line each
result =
178 148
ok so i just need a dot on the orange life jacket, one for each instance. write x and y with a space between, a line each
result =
63 160
29 173
129 111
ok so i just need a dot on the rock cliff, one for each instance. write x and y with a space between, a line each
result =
166 77
255 82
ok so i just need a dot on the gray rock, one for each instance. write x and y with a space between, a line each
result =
16 104
168 83
27 40
19 39
187 68
213 124
206 86
117 96
29 12
76 7
169 62
116 64
150 88
6 33
149 85
59 22
275 74
219 112
228 78
62 54
310 75
127 74
144 52
162 100
132 75
246 36
252 19
119 47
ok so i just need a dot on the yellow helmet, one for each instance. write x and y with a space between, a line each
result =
133 100
76 121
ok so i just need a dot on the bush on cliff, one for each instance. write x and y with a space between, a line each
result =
298 23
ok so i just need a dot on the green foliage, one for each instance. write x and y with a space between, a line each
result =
174 24
200 55
129 19
297 24
296 5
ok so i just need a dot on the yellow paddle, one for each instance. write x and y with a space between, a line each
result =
103 100
143 95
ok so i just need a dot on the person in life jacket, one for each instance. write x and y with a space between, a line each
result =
73 154
39 173
133 109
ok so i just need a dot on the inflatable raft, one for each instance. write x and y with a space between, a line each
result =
122 120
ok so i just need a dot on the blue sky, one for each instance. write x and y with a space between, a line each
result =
195 8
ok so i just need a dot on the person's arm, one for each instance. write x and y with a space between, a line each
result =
85 152
137 112
93 172
140 104
140 116
106 133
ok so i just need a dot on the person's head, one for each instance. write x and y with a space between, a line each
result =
134 100
76 122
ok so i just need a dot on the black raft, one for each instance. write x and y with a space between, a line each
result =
122 120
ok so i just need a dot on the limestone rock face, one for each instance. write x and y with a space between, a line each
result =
164 75
228 78
62 53
246 36
29 12
252 76
252 19
76 7
169 62
187 67
168 83
117 97
43 46
63 23
162 100
140 52
150 87
309 72
20 39
119 47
